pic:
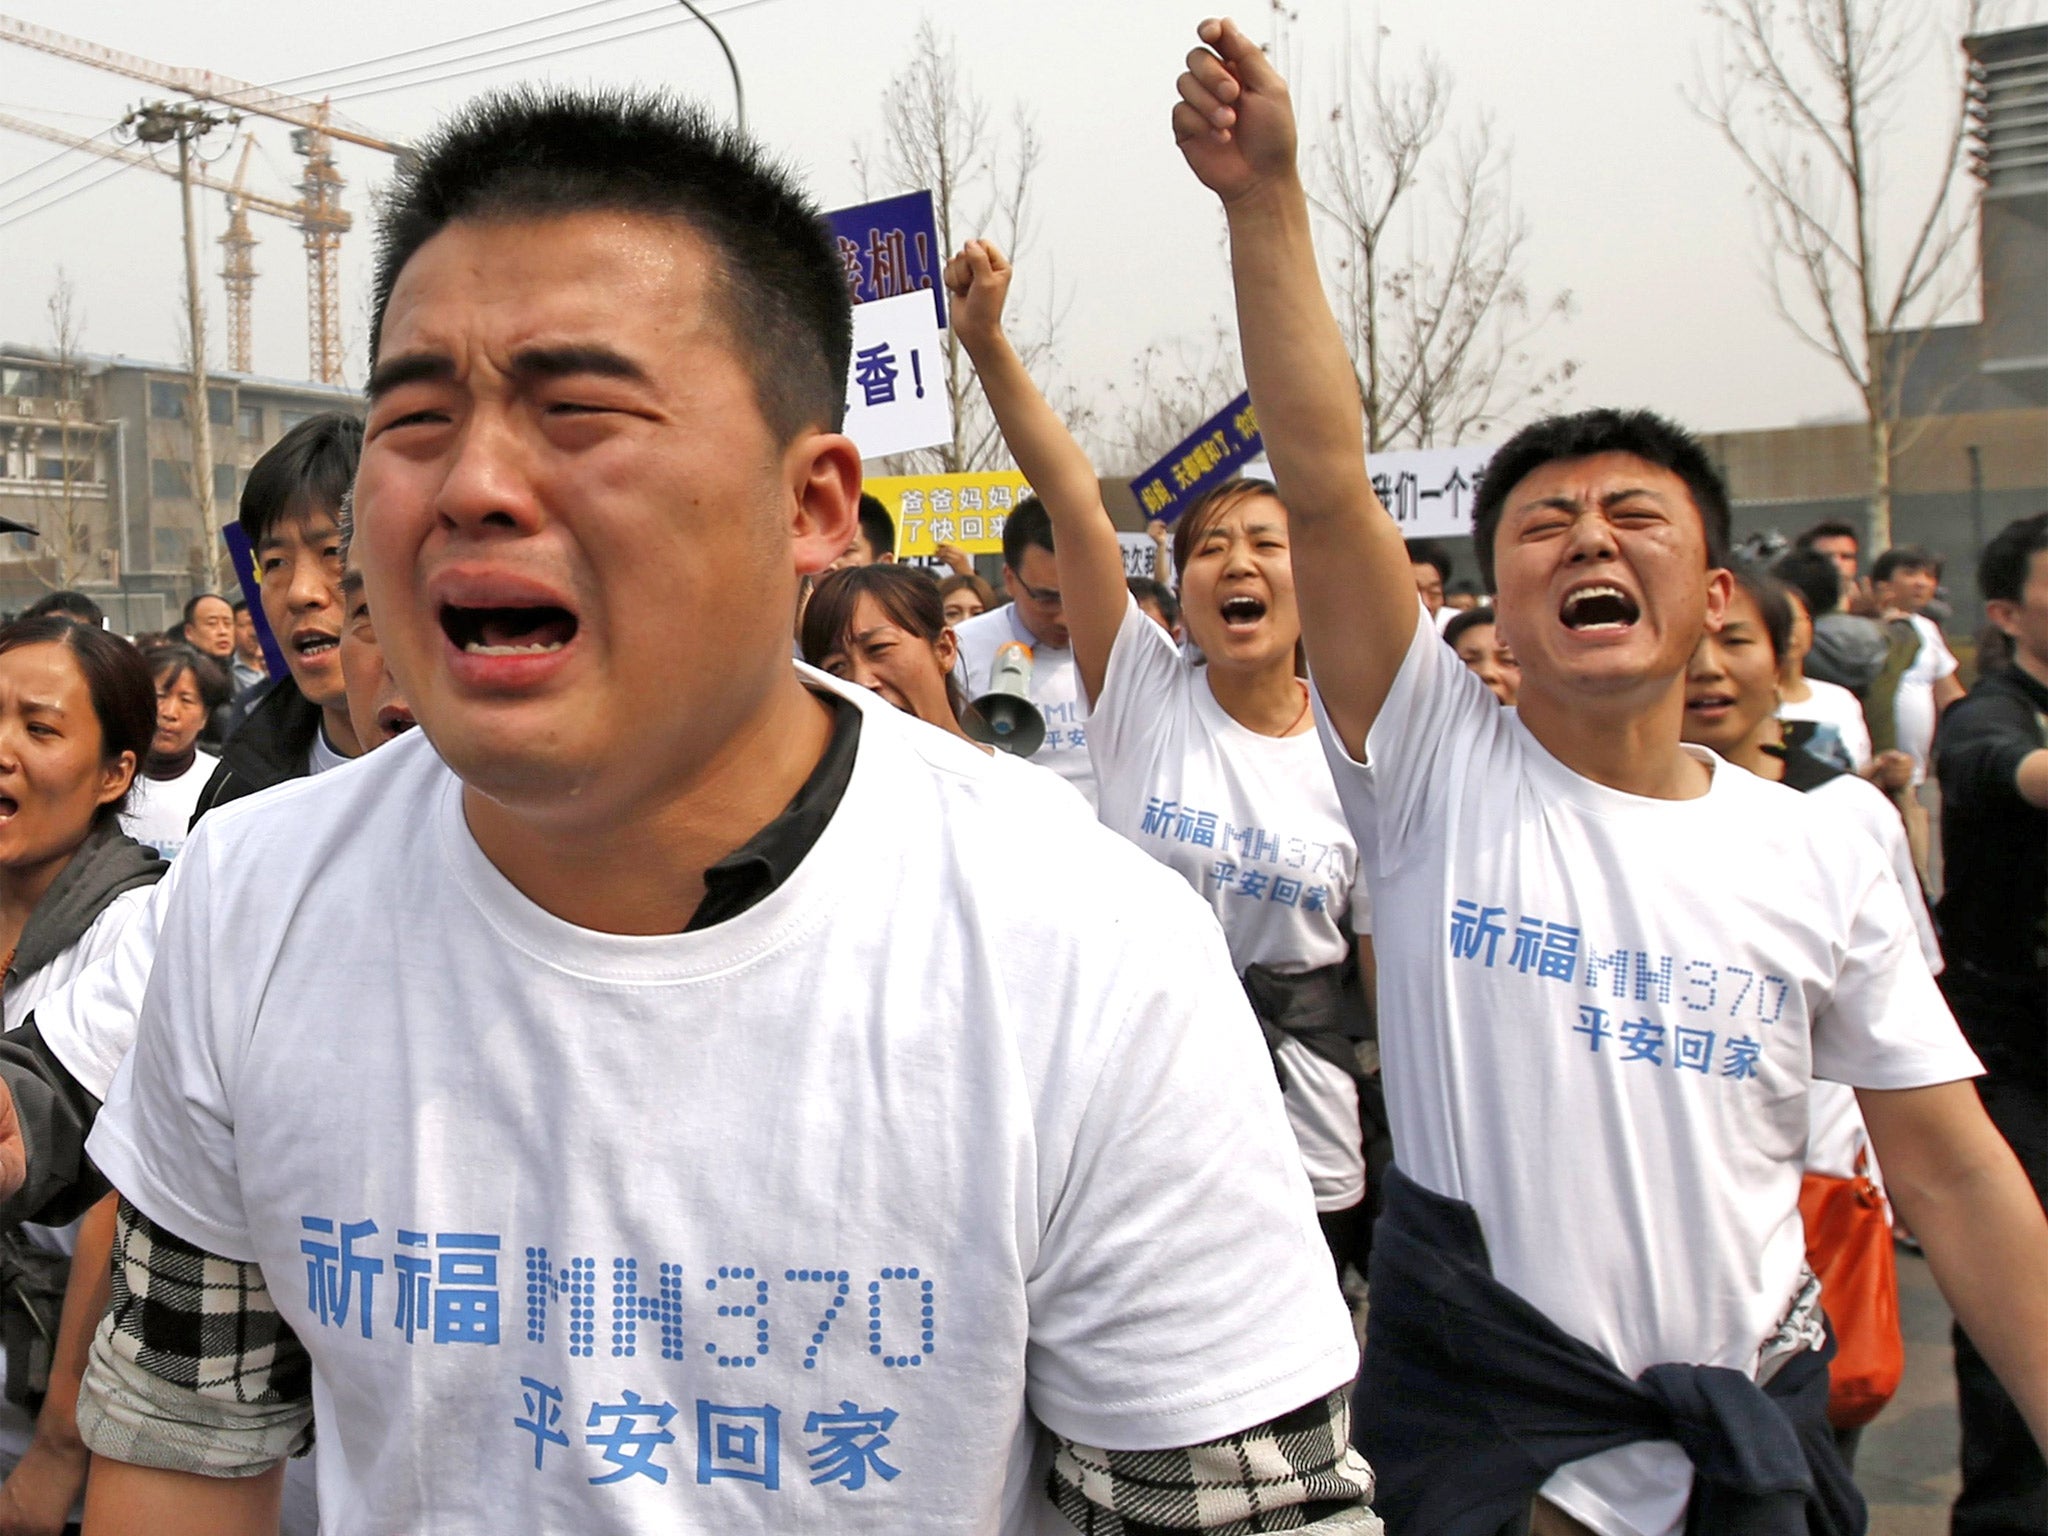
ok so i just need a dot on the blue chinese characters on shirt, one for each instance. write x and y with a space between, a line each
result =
1252 863
401 1287
1641 1011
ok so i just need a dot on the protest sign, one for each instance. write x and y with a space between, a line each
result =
1140 556
895 389
1206 457
1429 491
889 248
965 510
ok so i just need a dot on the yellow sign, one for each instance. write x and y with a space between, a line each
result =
964 510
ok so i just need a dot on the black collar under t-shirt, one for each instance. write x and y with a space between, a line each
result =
755 869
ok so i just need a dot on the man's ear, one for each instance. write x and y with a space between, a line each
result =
1720 588
823 475
2005 614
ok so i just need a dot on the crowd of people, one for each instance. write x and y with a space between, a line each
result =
681 1087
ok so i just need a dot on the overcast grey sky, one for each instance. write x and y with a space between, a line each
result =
1633 203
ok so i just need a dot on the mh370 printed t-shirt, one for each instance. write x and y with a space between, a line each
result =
802 1222
1055 690
1252 823
1600 1018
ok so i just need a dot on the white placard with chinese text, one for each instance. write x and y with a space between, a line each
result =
895 389
1429 491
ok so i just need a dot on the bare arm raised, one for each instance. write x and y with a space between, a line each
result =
1235 124
1091 563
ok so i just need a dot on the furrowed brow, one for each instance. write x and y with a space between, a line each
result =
564 362
413 368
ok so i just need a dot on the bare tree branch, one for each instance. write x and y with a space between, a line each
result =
1803 93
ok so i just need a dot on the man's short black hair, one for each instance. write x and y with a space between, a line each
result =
240 606
1644 434
2002 568
309 469
1029 524
1432 554
1471 618
192 603
543 153
1815 577
1904 557
877 527
1158 594
67 604
1829 528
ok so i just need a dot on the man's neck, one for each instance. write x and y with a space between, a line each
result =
2034 666
1794 688
640 869
340 732
1624 742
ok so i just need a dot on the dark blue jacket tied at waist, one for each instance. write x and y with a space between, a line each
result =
1469 1398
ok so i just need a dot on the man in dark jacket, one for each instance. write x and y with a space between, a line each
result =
291 512
1993 763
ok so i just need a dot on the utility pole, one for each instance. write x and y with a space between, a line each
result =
183 125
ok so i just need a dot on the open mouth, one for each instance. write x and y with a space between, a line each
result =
1242 612
1710 703
8 806
1596 608
536 631
395 721
312 643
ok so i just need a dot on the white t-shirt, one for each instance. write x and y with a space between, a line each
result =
1251 822
160 810
17 1424
1913 706
1839 714
1055 690
1836 1138
322 756
804 1222
1600 1017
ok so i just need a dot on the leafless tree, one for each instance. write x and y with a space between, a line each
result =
1173 389
1804 91
67 513
1427 260
940 134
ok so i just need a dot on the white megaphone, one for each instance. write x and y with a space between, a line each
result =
1004 717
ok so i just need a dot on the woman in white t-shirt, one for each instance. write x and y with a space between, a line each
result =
76 717
1843 736
1208 759
1732 706
883 628
167 791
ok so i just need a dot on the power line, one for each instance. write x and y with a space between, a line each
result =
43 165
671 17
74 192
52 185
320 79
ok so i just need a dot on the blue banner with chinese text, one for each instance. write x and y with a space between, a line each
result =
890 247
1208 456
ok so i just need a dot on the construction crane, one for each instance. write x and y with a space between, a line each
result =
238 245
316 128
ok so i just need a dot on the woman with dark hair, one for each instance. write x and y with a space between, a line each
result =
963 595
189 687
1210 762
881 627
1732 703
77 715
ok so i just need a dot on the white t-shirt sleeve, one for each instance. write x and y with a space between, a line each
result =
1435 708
166 1137
1145 668
89 1025
1885 1023
1181 1289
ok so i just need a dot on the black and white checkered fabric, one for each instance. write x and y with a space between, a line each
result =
199 1321
1294 1473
